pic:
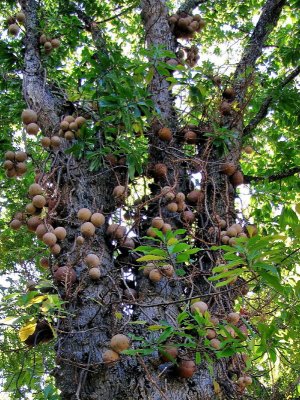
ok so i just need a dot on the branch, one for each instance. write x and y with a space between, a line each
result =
189 5
272 178
263 111
266 23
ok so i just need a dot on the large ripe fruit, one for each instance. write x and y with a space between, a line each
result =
9 155
33 223
167 270
168 353
97 219
13 29
47 46
160 170
35 189
8 165
32 128
87 229
157 222
65 274
119 343
94 273
228 168
29 116
237 178
30 209
20 16
233 317
180 197
199 306
195 196
39 201
165 134
188 217
49 239
15 224
64 125
155 275
116 231
92 260
55 43
60 233
69 118
10 173
84 214
215 343
186 368
119 192
190 137
110 356
20 156
166 191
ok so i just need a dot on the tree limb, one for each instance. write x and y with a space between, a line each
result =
267 102
266 23
189 5
272 178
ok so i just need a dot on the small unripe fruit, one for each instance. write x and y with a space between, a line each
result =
32 129
157 222
119 343
49 239
84 214
97 219
110 356
29 116
92 260
215 343
60 233
94 273
20 156
87 229
155 275
39 201
199 306
15 224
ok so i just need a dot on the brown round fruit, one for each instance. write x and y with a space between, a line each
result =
97 219
79 240
20 156
8 164
39 201
84 214
73 126
229 93
32 128
211 333
195 196
190 137
119 343
172 207
233 317
127 243
41 230
21 168
119 192
157 222
87 229
47 46
55 43
232 231
167 270
55 141
150 232
9 155
64 125
225 108
148 268
49 239
69 135
65 274
248 149
69 118
44 262
237 178
35 189
20 16
199 306
94 273
60 233
188 217
28 116
56 249
30 209
160 170
33 223
228 168
165 134
215 343
186 368
155 275
43 39
13 29
10 173
166 228
80 121
45 142
168 353
225 239
92 260
15 224
110 356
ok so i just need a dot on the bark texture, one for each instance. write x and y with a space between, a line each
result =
92 305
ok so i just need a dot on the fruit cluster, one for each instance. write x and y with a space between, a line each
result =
48 43
186 26
70 126
14 163
13 27
118 343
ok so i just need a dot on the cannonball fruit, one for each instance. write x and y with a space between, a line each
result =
39 201
110 356
119 343
211 333
13 29
55 43
190 137
188 217
248 150
80 121
55 141
215 343
79 240
87 229
20 16
166 228
155 275
237 178
157 222
35 189
60 233
44 262
8 165
94 273
186 368
168 353
199 306
20 156
28 116
56 249
9 155
194 196
165 134
149 267
84 214
92 260
119 191
15 224
167 270
33 223
49 239
160 170
228 168
65 274
97 219
32 128
172 207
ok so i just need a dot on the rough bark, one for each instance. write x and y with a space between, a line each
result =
91 306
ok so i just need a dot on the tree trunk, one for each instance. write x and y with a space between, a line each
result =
93 307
